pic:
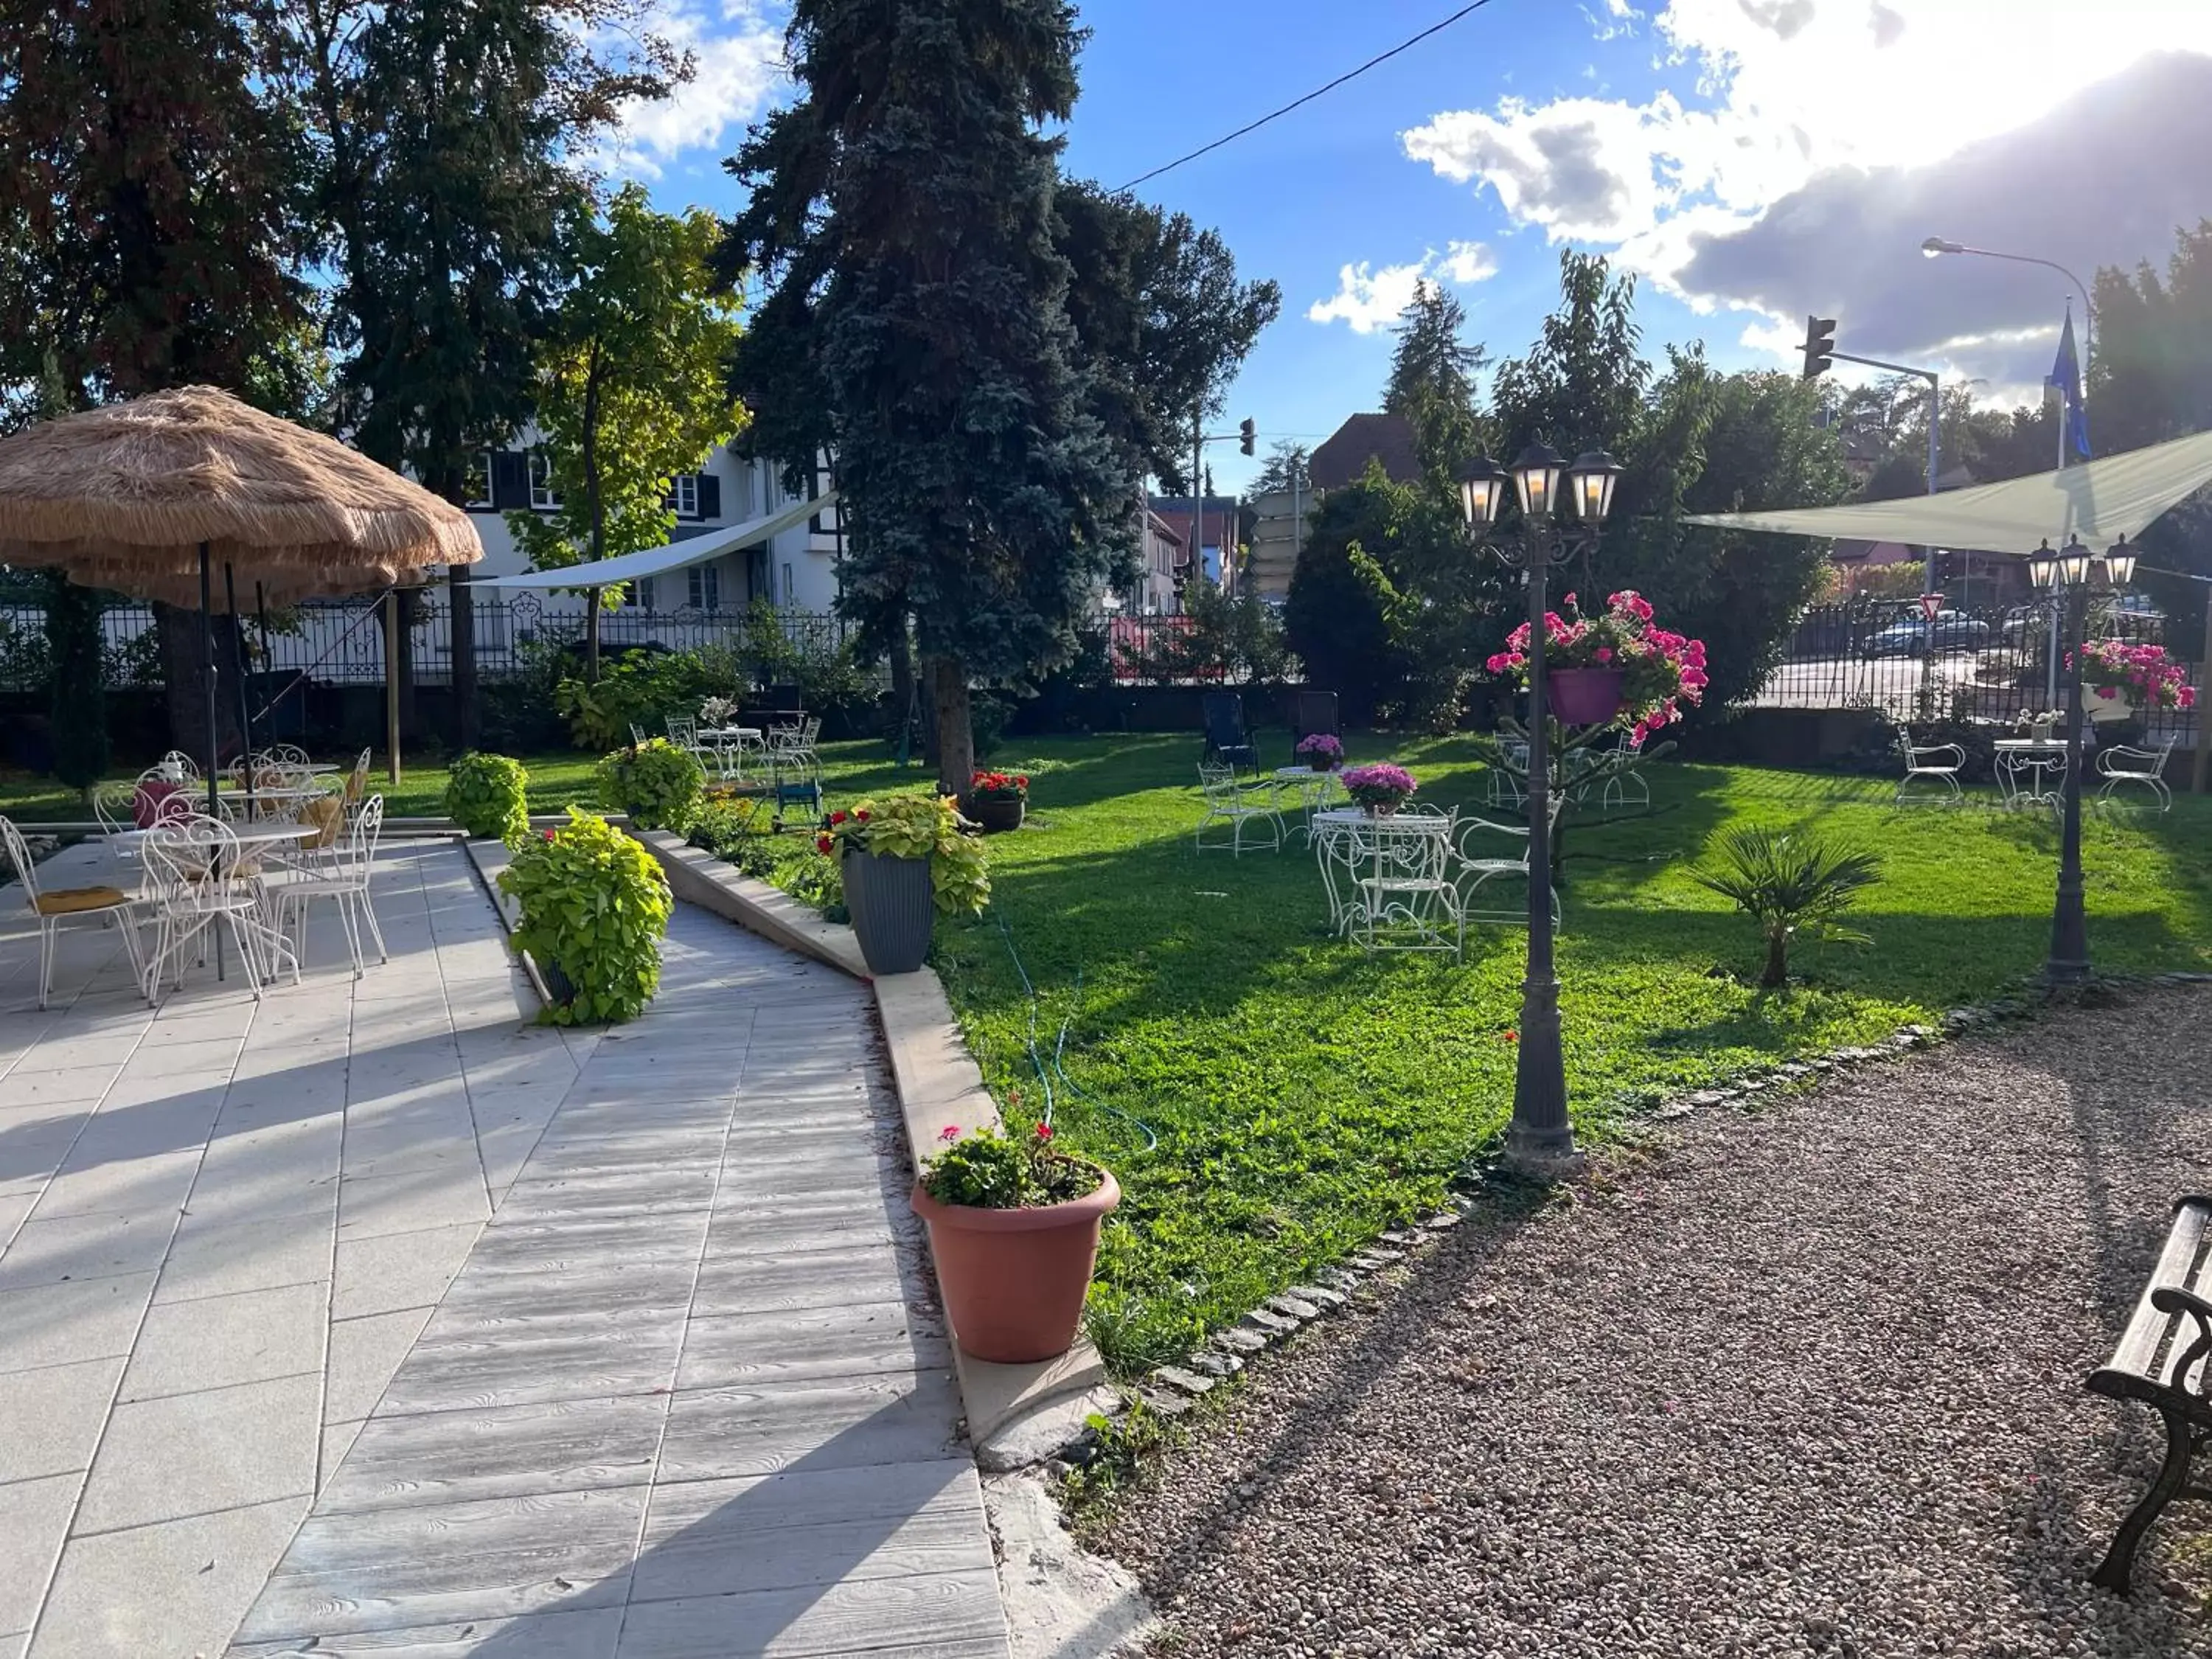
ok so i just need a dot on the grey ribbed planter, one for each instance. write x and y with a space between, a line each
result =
890 900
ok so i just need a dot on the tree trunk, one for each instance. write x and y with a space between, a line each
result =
901 659
956 737
1777 959
410 607
184 682
462 634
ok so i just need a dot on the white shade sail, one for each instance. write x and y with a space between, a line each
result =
677 555
2099 502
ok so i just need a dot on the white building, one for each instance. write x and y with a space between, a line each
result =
793 565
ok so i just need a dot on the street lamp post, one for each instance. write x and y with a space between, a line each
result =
1541 1141
2069 575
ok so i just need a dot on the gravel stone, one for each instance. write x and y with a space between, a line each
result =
1807 1383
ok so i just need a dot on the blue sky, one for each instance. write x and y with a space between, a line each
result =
1750 160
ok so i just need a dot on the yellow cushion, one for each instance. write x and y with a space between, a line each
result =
70 900
327 814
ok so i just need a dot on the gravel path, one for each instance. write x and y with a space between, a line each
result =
1804 1383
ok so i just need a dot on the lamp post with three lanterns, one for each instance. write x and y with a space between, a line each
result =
1541 1141
2069 576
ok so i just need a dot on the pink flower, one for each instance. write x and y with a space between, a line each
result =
1603 654
950 1132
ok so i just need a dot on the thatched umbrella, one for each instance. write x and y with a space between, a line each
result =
149 497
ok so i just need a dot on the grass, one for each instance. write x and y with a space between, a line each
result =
1271 1098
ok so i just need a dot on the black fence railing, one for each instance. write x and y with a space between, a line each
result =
340 641
1994 663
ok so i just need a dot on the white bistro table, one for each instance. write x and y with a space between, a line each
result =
1314 788
1387 879
265 834
2030 770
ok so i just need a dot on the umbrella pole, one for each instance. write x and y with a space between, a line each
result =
214 740
238 662
391 685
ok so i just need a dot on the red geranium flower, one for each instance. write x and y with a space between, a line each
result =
837 817
821 843
549 835
1513 1037
862 815
1044 1132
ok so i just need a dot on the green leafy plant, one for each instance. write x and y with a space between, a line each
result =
726 822
641 689
918 826
1790 884
594 906
488 795
992 1170
656 783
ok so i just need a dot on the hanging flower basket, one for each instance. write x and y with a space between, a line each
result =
1583 696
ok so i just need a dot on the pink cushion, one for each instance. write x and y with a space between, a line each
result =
158 801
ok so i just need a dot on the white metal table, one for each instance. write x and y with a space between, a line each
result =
1314 788
2031 771
1387 879
261 834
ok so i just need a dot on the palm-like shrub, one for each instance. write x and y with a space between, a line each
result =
1791 883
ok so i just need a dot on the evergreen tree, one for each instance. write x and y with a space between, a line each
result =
912 191
151 201
630 387
1286 468
1432 372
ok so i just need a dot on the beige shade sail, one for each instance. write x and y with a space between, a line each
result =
2100 501
125 496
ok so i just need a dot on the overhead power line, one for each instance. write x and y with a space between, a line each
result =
1271 115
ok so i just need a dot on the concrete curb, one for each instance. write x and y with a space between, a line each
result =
1016 1414
489 858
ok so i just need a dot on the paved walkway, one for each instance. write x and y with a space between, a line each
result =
261 1357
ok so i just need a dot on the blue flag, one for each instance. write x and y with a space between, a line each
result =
2065 378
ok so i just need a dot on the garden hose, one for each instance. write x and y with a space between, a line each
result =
1069 1087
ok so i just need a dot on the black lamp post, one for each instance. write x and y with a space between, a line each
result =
1540 1139
2070 575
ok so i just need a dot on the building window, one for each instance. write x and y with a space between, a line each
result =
542 496
476 482
683 494
703 588
643 593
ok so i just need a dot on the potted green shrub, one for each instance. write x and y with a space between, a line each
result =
488 795
1013 1228
996 801
904 862
657 784
594 907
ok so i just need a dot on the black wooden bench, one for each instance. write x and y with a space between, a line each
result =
2162 1361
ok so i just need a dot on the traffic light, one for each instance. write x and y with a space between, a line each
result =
1819 345
1246 434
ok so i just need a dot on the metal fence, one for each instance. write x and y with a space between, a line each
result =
1993 664
340 641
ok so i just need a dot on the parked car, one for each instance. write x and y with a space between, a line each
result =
1915 636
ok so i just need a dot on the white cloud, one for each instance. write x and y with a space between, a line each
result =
1769 92
738 55
1368 298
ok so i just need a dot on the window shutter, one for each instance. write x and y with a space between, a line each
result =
710 497
510 481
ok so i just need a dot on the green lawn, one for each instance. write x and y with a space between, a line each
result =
1303 1096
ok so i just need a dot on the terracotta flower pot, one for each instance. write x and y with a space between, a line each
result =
996 813
1582 696
893 909
1014 1279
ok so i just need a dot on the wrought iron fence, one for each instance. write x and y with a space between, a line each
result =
1992 663
340 641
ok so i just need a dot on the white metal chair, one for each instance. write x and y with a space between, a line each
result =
1398 882
356 784
178 767
196 879
51 909
2120 763
342 875
1938 763
1237 804
1471 872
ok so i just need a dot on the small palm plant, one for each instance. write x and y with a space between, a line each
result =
1790 884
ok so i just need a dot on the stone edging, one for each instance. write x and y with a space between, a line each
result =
1172 1390
489 858
1015 1413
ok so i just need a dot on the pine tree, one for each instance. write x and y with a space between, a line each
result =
1432 379
913 184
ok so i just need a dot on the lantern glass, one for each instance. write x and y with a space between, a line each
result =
2120 563
1589 486
1481 492
1536 477
2074 561
2042 567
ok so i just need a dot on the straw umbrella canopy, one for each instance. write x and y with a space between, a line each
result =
153 496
